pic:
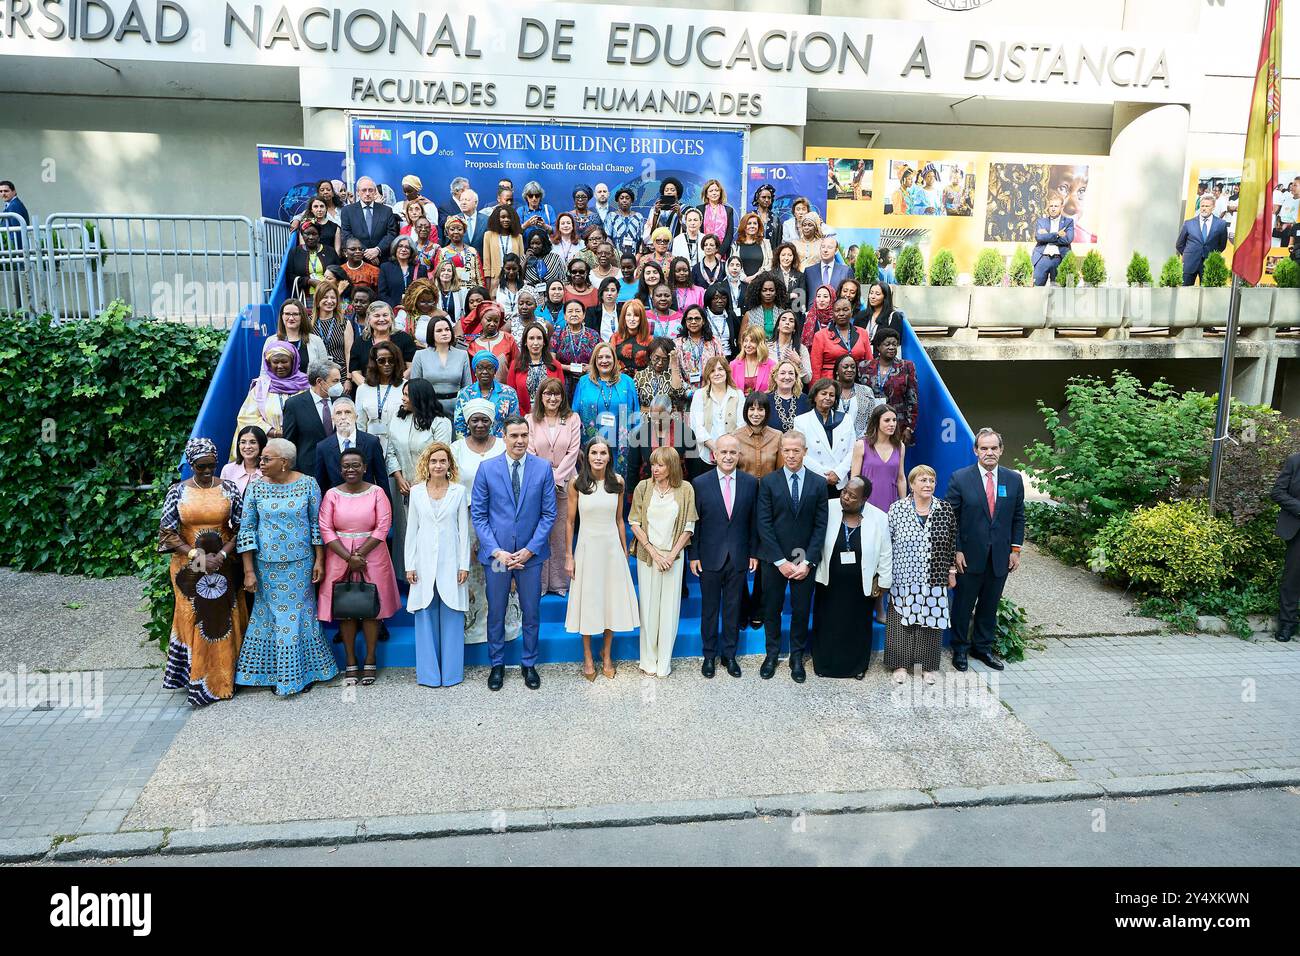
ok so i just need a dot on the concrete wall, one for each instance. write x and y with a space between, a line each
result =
78 154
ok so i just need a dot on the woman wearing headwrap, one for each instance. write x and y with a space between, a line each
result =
582 215
821 314
411 187
477 445
764 199
281 379
485 386
200 519
541 265
492 335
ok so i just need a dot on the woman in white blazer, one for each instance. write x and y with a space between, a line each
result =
856 533
715 411
830 435
437 567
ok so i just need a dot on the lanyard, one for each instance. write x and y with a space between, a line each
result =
381 397
848 536
607 404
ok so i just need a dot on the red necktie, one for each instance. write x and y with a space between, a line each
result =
988 490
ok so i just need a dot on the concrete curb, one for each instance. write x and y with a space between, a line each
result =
431 826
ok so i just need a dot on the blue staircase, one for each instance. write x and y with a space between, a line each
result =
943 440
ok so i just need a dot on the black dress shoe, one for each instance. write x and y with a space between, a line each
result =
959 661
532 679
988 660
732 666
1285 632
755 622
707 667
769 667
796 668
497 677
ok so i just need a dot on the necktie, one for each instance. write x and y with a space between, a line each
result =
726 493
369 214
988 491
794 492
826 274
1205 229
326 418
516 481
347 444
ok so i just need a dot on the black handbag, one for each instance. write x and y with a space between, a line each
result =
355 600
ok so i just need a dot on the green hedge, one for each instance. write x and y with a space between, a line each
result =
100 412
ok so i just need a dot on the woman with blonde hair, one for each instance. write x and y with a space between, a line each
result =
329 322
715 411
606 402
786 399
663 519
719 218
437 567
752 369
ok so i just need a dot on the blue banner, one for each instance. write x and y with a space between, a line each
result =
288 176
790 180
557 157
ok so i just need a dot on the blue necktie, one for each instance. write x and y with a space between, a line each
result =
1205 229
347 444
368 213
515 479
794 492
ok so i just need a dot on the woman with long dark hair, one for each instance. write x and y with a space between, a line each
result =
533 367
766 298
879 312
421 421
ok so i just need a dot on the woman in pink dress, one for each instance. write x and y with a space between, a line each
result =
354 522
555 435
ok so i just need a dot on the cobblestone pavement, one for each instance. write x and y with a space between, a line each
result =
80 768
1126 705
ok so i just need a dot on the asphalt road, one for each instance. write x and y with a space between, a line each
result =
1239 828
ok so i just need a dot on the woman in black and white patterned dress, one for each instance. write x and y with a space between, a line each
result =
924 533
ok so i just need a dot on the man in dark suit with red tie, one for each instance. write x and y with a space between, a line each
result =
792 517
723 550
989 505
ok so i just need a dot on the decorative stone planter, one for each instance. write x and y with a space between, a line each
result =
1256 307
946 306
1087 307
1286 308
1016 307
1170 308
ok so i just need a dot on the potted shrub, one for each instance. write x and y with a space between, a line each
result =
1170 305
867 266
1093 269
1139 270
1081 299
935 304
1286 300
1021 271
943 270
994 304
1067 273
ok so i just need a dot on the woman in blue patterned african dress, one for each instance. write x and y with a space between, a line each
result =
284 558
608 406
487 387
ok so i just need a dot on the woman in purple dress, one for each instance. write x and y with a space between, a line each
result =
878 457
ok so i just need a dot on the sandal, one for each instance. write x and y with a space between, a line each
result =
369 674
900 675
350 676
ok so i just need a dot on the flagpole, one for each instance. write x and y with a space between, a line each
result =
1221 418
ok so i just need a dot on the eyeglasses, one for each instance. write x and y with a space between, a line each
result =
263 459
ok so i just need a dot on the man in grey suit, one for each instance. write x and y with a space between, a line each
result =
1286 492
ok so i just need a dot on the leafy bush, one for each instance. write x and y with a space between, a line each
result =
1139 270
910 268
1093 269
1287 274
1173 548
1013 633
1259 440
102 410
1216 273
1067 273
1022 268
1061 530
943 269
1171 273
990 268
1117 444
867 266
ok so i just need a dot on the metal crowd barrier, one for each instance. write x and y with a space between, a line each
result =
276 237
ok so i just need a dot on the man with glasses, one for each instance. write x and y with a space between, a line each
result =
369 221
309 415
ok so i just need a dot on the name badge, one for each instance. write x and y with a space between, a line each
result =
607 420
378 428
848 557
1002 491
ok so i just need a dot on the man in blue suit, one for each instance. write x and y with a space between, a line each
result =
1202 234
723 550
989 506
13 205
1053 236
827 271
369 220
476 223
513 509
329 450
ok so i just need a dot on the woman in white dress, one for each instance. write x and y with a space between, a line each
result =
715 411
421 420
602 599
663 519
469 452
438 563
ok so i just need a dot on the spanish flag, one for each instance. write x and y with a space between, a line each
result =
1259 170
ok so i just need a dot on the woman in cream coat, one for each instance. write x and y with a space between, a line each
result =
830 457
437 567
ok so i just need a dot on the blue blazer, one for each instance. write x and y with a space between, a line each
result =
480 229
17 208
504 525
718 537
1043 237
329 471
383 226
1193 248
813 276
986 542
785 528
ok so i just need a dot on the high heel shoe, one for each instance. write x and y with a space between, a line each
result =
590 677
609 670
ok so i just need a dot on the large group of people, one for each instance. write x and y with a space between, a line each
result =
532 400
